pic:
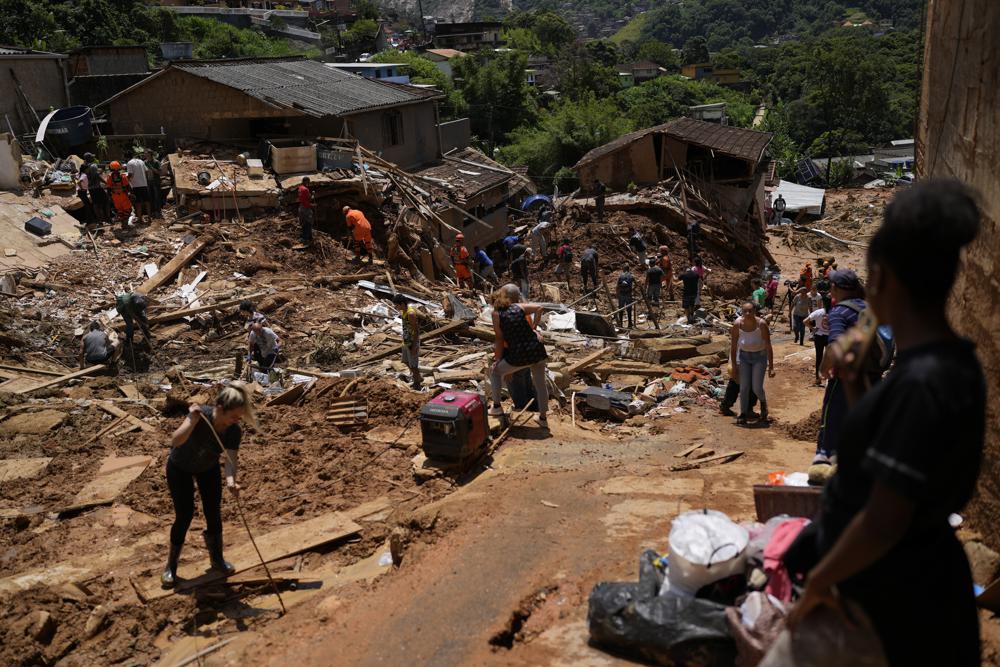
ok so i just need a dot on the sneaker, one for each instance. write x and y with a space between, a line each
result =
741 420
543 421
496 411
726 411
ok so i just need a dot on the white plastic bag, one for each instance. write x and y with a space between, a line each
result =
705 546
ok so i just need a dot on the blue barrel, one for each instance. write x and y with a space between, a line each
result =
71 126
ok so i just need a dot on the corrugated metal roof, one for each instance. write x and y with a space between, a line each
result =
19 51
469 172
735 142
305 85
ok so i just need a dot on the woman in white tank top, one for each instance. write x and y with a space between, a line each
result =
752 355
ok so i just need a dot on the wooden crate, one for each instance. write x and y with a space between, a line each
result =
791 500
293 159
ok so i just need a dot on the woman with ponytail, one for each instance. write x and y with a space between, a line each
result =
195 461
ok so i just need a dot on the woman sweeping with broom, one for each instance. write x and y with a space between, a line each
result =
194 460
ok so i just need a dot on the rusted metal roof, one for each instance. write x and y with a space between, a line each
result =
734 142
306 86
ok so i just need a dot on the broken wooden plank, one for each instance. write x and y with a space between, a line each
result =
112 409
699 463
396 349
186 312
684 452
171 268
115 473
292 395
11 469
346 278
28 369
275 545
61 379
586 361
131 391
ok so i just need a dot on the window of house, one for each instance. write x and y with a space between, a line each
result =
392 128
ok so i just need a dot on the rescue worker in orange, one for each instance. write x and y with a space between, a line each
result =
668 271
120 190
358 223
460 260
806 277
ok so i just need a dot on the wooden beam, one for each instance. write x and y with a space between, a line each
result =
173 267
178 314
26 369
62 378
112 409
396 349
699 463
586 361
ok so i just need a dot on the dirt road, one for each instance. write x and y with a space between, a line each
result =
506 581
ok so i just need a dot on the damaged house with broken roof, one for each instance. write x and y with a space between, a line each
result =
243 101
697 171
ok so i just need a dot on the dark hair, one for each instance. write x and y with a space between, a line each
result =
305 180
697 261
925 228
246 305
827 302
398 298
95 325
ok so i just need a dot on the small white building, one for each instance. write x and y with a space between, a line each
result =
391 72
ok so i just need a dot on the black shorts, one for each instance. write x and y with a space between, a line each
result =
688 301
141 193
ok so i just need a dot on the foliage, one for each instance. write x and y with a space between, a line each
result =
562 136
579 72
497 92
695 51
214 39
551 30
366 9
668 97
423 71
783 148
841 173
360 35
659 53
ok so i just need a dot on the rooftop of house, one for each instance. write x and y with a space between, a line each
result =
306 86
446 53
734 142
468 172
19 52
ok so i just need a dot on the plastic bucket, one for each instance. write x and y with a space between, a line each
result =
705 546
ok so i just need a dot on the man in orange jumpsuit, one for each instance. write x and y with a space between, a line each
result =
119 188
460 259
358 223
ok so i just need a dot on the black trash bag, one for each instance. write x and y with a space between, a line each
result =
631 619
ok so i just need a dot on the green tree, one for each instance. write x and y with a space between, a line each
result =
497 92
423 71
783 148
550 29
695 51
659 53
580 74
562 136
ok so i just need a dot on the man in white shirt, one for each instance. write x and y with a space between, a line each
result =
140 185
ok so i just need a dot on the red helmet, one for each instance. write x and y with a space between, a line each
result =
460 237
116 165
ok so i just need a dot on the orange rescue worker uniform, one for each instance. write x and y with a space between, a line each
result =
118 186
806 277
668 271
358 223
460 259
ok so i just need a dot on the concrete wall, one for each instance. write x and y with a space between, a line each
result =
10 162
420 138
455 134
959 135
109 60
42 80
634 163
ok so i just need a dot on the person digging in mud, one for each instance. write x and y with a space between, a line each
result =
264 346
411 339
750 346
911 449
132 307
361 231
194 460
517 346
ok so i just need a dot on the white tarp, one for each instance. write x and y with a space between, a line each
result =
799 197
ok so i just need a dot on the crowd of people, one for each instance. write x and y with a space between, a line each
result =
127 194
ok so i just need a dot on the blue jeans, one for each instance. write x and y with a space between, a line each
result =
753 366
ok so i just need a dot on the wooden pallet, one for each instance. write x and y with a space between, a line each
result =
349 410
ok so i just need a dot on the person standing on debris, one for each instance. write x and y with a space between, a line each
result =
750 346
626 296
484 266
95 347
599 190
654 281
460 261
759 295
98 196
799 310
510 240
815 298
693 235
848 301
82 181
194 460
358 223
118 186
565 256
638 245
140 185
154 170
702 271
264 346
668 271
411 339
779 207
691 281
539 237
912 449
518 346
819 323
519 271
588 268
806 276
305 199
132 308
